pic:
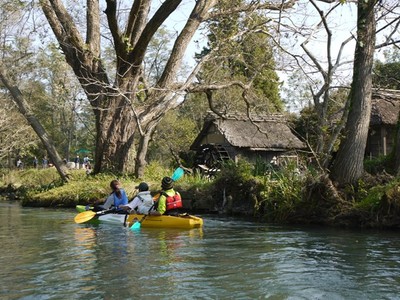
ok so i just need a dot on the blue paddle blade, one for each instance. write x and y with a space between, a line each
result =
135 226
178 173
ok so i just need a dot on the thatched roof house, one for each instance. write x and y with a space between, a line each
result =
384 117
259 138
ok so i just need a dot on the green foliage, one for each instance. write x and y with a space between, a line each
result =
243 55
387 75
58 104
282 194
277 195
155 170
307 125
173 137
373 199
379 164
235 188
236 172
262 167
194 107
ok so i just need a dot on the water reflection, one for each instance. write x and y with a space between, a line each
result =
85 237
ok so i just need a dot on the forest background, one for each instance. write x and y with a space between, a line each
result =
113 79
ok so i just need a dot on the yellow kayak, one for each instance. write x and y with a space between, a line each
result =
184 221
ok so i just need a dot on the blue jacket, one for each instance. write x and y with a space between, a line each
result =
120 201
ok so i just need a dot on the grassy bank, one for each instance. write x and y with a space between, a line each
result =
43 188
275 196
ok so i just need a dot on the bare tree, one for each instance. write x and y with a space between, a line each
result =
354 114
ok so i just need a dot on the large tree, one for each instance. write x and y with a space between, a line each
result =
348 166
127 103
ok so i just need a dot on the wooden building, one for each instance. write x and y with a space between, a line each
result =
384 118
265 138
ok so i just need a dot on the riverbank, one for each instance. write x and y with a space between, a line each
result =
281 198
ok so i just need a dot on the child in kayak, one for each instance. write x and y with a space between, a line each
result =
143 201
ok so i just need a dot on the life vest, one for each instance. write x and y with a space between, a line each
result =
172 202
120 201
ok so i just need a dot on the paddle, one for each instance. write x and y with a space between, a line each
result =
137 224
88 215
178 173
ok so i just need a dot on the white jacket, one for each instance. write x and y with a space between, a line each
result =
142 203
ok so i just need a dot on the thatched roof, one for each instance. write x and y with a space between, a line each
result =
263 133
385 107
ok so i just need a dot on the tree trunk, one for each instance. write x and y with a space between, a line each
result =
141 155
348 166
115 129
396 149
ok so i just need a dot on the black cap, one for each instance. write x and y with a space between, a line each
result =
143 186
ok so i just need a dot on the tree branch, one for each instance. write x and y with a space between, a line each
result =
62 24
137 19
93 28
111 13
137 54
199 12
252 6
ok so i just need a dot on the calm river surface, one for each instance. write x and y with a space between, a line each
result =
45 255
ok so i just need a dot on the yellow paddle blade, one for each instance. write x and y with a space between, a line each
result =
84 216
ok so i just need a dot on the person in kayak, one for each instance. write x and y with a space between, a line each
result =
142 203
116 199
169 201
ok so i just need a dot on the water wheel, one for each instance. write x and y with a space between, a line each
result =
209 158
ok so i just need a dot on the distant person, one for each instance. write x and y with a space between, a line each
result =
19 164
88 169
116 199
77 162
45 162
35 162
85 161
143 201
169 201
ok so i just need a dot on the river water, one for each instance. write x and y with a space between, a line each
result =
45 255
